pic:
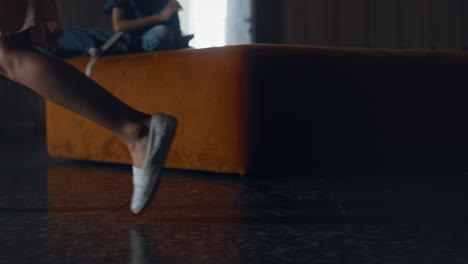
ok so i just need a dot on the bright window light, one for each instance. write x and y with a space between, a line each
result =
207 20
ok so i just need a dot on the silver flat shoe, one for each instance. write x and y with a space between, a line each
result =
146 180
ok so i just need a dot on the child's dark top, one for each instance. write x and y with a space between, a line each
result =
135 9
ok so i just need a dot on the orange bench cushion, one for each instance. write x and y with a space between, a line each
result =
202 88
258 108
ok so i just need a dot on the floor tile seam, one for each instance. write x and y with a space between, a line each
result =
348 226
333 197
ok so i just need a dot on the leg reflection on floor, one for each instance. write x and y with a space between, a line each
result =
54 211
194 218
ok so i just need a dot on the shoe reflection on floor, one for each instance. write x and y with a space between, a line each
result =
140 249
189 216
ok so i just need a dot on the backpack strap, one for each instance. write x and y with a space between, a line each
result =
97 52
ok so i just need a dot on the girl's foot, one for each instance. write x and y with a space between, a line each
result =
147 168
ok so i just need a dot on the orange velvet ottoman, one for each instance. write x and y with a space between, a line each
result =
261 108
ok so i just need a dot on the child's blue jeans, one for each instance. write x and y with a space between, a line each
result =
159 37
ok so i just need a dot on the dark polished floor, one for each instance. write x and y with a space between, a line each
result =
55 211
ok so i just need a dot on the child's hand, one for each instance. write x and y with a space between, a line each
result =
172 7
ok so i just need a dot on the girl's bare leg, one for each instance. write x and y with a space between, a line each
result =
62 84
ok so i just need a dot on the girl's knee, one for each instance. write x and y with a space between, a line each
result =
10 49
5 54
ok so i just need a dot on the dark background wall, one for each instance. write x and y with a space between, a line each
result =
84 13
400 24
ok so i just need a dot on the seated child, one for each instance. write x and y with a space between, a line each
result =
153 24
149 25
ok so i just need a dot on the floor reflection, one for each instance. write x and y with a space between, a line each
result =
189 216
181 197
55 211
194 218
141 251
